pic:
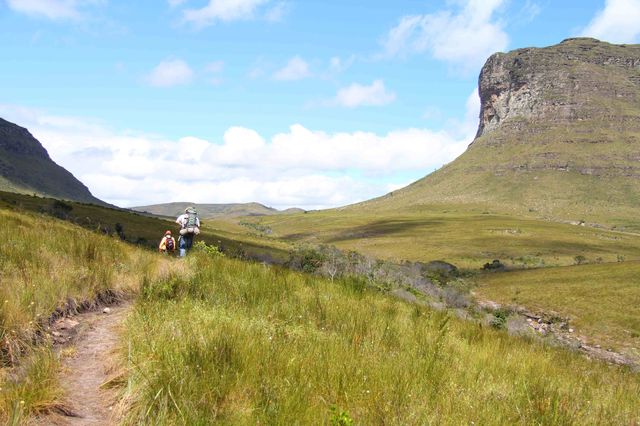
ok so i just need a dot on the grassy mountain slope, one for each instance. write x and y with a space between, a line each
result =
559 137
213 210
25 166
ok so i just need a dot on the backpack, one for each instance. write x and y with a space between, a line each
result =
191 219
191 226
170 244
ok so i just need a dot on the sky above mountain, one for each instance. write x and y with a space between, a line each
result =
289 103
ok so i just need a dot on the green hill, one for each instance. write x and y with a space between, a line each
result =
559 137
213 210
25 166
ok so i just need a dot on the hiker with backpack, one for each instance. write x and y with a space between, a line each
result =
167 244
189 227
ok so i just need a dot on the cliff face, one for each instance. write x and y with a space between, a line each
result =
560 84
25 166
558 136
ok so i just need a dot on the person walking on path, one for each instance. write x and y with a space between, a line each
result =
189 227
167 244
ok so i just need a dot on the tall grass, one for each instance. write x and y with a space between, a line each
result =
243 344
46 264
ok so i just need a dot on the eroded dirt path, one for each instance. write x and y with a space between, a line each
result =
89 363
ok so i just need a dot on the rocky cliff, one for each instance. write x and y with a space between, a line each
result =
25 166
558 136
579 79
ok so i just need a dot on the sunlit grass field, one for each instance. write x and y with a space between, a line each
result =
466 237
213 339
238 343
601 300
45 263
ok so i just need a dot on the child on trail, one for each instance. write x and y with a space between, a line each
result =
189 227
167 244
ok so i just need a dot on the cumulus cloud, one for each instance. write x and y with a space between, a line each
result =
357 95
295 69
464 37
618 22
51 9
170 72
297 167
222 10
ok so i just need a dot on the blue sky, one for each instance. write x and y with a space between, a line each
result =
307 103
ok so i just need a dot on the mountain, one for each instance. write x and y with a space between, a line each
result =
214 210
559 136
25 167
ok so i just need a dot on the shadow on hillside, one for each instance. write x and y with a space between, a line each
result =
380 228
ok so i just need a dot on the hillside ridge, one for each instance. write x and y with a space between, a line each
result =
26 167
214 210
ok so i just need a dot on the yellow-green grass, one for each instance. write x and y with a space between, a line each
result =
248 344
137 228
461 235
44 263
602 301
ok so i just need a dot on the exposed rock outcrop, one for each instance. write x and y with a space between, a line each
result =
559 84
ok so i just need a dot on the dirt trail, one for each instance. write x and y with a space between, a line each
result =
84 371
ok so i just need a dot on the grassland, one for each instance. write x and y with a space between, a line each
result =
140 229
219 340
236 343
598 295
602 301
467 237
45 264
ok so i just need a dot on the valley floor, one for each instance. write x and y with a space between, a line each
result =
211 339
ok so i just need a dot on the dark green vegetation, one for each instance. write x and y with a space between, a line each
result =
559 137
25 166
213 210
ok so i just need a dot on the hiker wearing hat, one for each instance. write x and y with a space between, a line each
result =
189 227
167 244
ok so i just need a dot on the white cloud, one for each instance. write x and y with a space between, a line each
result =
295 69
298 167
51 9
465 37
357 95
170 72
277 12
618 22
222 10
338 65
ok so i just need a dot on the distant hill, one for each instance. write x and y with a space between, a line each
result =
25 167
559 136
214 210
